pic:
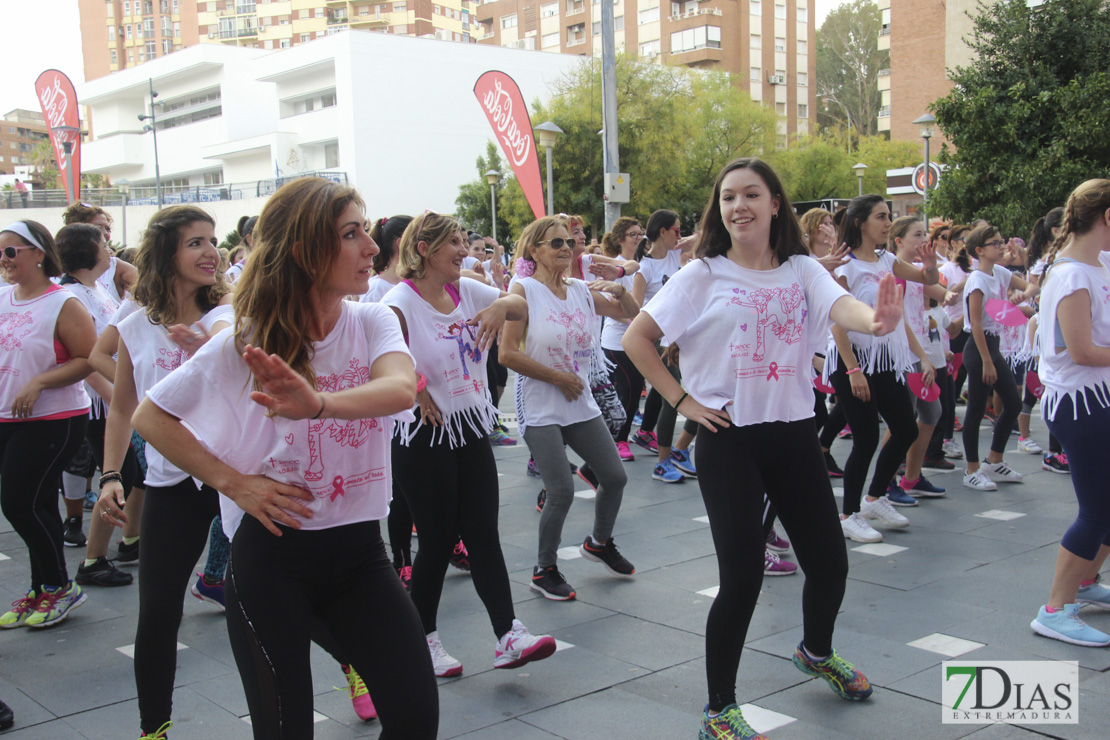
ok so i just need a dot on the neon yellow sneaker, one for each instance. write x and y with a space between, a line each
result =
55 604
21 609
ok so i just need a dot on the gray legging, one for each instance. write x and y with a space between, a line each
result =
592 441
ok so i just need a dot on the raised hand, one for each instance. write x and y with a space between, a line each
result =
836 257
605 270
284 392
489 321
927 256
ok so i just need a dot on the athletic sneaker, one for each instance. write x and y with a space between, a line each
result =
937 463
857 529
1029 445
834 469
624 452
776 543
666 472
1056 463
952 450
91 497
55 604
647 440
882 512
127 554
7 716
898 497
72 535
1096 595
587 474
957 425
550 582
405 574
210 591
360 696
497 436
517 647
638 419
773 565
1000 472
159 734
845 433
460 558
979 481
842 676
443 664
684 462
921 487
102 573
541 499
532 470
728 725
608 555
1066 626
21 609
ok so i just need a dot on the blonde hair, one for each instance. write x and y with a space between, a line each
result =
1084 208
295 244
533 234
433 229
811 222
898 229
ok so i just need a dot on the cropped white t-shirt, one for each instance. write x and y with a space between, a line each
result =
345 464
748 336
102 306
953 275
994 285
874 354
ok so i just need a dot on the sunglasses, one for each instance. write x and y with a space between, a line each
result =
557 242
11 252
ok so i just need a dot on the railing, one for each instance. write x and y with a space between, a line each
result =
884 73
147 195
697 12
884 111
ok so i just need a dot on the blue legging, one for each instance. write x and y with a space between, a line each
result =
1081 429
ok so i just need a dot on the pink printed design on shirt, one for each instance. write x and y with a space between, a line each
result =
577 332
342 433
170 359
777 310
10 323
454 332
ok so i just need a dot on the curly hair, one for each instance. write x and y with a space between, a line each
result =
83 213
79 246
611 241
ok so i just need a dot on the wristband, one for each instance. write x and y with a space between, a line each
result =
853 370
623 273
421 382
680 401
322 404
110 477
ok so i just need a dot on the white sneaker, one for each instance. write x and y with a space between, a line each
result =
980 481
1027 444
517 647
1001 472
856 528
882 511
443 664
951 449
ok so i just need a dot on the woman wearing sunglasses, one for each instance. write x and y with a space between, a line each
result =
443 461
551 349
45 339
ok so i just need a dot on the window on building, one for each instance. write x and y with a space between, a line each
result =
803 79
757 74
175 6
148 27
618 23
138 30
780 108
399 7
676 9
244 7
549 10
780 10
756 7
167 46
508 21
780 43
650 48
112 52
127 30
649 15
306 37
701 37
165 4
130 57
1 159
319 12
285 43
126 8
177 29
110 9
215 177
803 13
803 110
151 49
111 33
756 41
331 156
148 7
549 40
597 28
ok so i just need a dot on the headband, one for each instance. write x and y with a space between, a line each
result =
18 227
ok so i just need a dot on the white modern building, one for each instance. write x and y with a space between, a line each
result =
394 115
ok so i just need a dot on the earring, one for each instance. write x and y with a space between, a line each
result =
775 214
39 265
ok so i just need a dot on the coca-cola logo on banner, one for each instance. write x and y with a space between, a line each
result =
58 101
504 106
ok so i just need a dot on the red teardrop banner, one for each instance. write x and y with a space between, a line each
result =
504 106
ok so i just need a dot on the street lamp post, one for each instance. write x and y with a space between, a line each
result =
153 129
492 177
860 168
830 98
925 124
549 134
124 191
67 135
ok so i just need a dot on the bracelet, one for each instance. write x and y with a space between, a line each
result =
421 382
322 404
680 401
853 370
623 273
110 477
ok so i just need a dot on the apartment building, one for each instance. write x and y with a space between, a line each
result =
769 46
20 132
118 34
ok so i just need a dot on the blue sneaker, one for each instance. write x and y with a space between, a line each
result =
921 487
681 459
638 419
90 500
1096 595
665 471
898 497
1066 626
210 591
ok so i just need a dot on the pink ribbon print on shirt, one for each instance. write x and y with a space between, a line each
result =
779 313
576 336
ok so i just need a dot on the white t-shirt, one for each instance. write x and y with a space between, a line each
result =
345 464
955 275
107 280
102 307
447 353
874 354
235 271
125 309
379 286
1059 373
153 357
469 262
560 336
936 340
656 272
995 285
1038 267
612 330
914 305
748 336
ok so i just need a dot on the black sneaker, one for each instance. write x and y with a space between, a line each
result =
72 536
587 474
1056 463
834 469
7 716
127 554
102 573
460 558
608 555
550 582
541 499
937 463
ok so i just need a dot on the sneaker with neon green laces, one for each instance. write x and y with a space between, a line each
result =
162 733
842 676
360 696
21 609
728 725
55 604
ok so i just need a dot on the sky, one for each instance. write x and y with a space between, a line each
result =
46 34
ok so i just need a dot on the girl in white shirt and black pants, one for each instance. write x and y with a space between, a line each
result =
748 317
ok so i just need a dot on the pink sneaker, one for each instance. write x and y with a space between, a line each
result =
773 565
647 440
776 543
360 697
625 452
405 574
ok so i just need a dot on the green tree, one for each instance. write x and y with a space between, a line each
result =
472 206
848 65
1027 119
814 168
46 168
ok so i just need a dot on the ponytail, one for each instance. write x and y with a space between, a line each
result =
1040 239
384 233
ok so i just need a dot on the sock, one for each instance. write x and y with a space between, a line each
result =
596 541
1085 584
1050 609
907 483
90 562
811 656
130 541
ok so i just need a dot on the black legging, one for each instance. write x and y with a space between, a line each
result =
283 591
452 493
958 345
129 471
32 454
832 425
935 450
889 398
399 524
658 411
629 383
735 466
978 392
175 524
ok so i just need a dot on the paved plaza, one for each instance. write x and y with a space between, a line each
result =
964 580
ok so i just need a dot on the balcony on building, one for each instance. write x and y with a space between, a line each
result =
367 21
337 16
884 79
